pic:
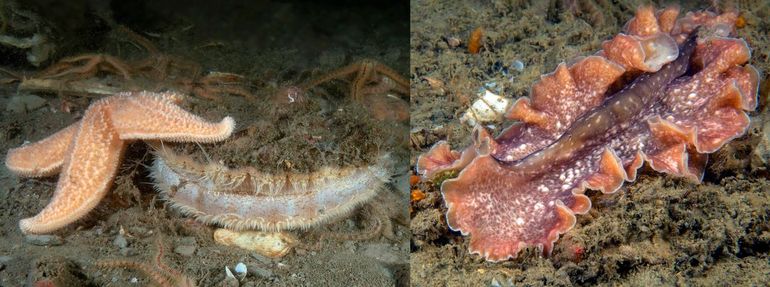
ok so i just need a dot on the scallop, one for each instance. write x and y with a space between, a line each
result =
246 199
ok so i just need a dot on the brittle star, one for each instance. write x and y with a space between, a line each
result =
160 273
370 77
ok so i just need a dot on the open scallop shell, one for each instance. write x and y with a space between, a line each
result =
247 199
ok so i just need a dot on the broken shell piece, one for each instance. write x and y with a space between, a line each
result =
488 107
230 279
229 273
270 244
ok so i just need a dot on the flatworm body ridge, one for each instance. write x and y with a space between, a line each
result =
523 187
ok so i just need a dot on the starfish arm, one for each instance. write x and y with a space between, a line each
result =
152 116
43 158
87 174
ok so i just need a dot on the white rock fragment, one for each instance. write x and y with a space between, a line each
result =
489 107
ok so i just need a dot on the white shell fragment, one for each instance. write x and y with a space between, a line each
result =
488 107
229 273
270 244
230 279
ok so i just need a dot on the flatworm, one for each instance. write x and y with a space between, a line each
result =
523 187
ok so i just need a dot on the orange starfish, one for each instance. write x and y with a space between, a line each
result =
88 152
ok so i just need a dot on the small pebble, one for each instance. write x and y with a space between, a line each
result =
185 250
24 103
44 240
517 65
453 41
120 241
260 272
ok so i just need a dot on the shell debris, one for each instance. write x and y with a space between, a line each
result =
270 244
489 107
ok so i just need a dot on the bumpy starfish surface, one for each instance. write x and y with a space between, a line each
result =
88 152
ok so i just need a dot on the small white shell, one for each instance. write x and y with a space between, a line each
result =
488 107
518 65
240 269
271 244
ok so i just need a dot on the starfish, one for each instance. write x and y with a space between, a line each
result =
88 152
